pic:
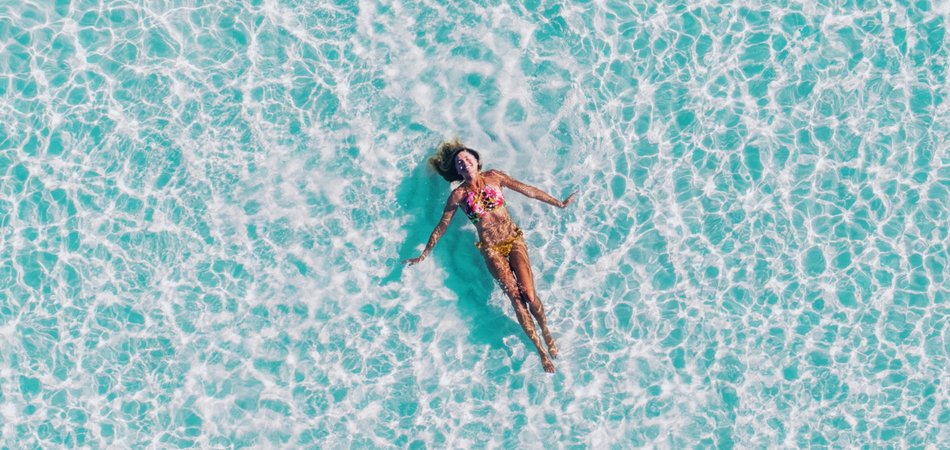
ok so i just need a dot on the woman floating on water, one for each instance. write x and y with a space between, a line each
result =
500 240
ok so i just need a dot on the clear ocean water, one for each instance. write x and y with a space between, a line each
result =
203 206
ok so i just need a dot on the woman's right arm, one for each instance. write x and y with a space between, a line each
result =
450 206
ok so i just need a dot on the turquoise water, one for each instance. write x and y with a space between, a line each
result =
203 205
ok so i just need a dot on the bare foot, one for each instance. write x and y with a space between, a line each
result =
552 349
548 365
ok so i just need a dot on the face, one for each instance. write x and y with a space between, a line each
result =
466 165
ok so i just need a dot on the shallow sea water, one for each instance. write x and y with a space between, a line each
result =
203 206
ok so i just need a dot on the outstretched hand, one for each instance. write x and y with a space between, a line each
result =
567 201
413 261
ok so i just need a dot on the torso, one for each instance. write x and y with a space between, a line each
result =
476 204
485 207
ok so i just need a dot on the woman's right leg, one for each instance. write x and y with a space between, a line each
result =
499 268
521 267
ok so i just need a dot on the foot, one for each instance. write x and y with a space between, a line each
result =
548 365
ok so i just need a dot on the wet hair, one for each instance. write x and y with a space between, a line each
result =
443 161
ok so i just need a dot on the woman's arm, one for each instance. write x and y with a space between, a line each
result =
450 206
531 191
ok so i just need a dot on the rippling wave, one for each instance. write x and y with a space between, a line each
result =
203 206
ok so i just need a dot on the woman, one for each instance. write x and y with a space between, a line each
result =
500 240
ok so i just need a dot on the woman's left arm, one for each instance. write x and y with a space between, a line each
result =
531 191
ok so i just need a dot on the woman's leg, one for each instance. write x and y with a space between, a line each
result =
499 268
521 266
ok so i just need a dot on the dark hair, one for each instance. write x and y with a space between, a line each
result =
443 161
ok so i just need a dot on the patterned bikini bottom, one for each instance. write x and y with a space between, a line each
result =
503 248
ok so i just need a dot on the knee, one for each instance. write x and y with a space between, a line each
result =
535 307
528 294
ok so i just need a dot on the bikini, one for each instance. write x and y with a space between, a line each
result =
476 205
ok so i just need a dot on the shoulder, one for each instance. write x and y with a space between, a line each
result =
498 178
496 175
457 194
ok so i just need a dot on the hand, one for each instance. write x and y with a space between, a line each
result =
413 261
568 200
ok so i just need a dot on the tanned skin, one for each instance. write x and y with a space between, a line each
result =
514 271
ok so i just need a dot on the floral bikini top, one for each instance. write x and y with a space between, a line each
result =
476 205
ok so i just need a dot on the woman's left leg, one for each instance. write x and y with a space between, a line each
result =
521 266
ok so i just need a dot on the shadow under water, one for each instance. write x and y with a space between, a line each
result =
422 196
